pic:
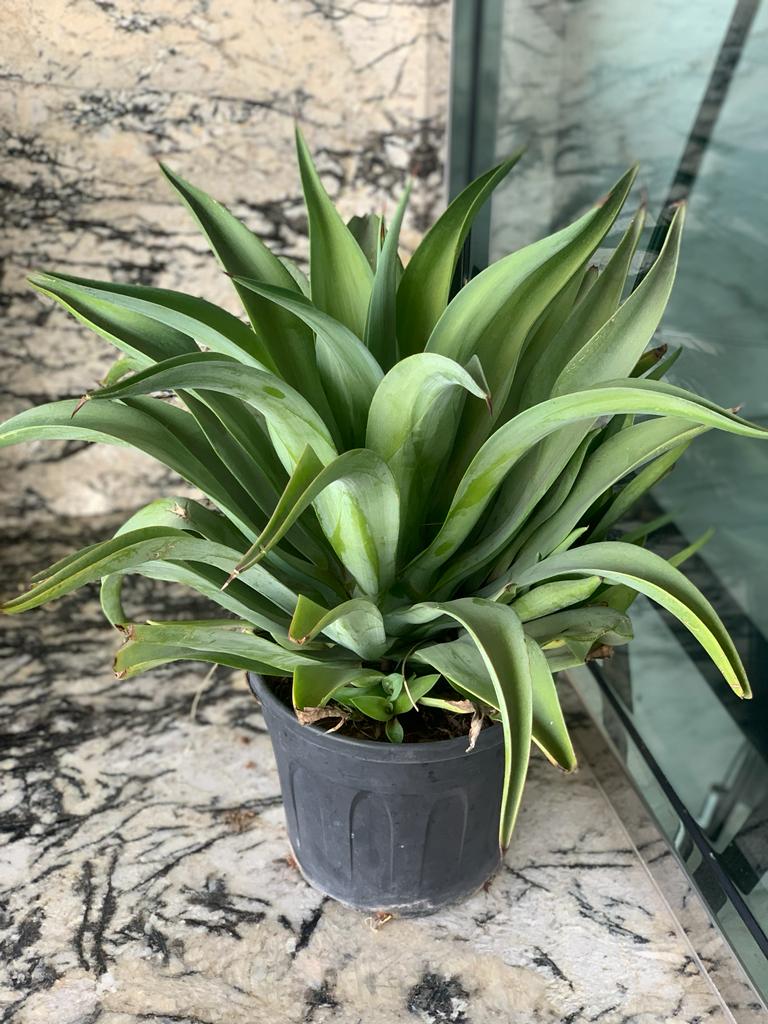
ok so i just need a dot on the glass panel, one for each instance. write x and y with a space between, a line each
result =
592 87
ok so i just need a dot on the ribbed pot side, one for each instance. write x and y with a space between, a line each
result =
401 828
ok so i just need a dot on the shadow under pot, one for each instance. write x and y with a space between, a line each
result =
400 828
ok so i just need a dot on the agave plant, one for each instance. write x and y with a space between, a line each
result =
412 497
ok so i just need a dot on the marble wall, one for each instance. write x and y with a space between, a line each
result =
95 91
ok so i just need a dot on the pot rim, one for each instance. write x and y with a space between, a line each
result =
432 750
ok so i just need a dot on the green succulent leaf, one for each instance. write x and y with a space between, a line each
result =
349 372
611 352
412 423
186 316
658 441
231 644
356 624
549 729
288 342
381 323
360 515
631 493
554 597
588 317
491 316
460 662
145 548
498 636
119 369
414 691
292 422
426 283
139 336
591 624
622 597
511 441
314 685
168 434
339 272
648 574
367 230
394 731
546 508
615 348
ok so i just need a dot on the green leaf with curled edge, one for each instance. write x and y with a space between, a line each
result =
361 520
367 230
553 597
356 624
639 485
139 549
292 422
315 685
152 644
659 442
414 691
187 316
394 731
162 431
140 337
611 352
590 624
648 574
460 663
498 636
252 597
587 318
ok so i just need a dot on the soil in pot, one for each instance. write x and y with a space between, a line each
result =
425 725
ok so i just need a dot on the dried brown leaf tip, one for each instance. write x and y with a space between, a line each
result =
235 573
86 398
462 707
308 716
474 728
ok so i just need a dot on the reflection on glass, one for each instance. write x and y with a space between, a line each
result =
593 87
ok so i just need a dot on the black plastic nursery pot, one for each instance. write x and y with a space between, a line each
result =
400 828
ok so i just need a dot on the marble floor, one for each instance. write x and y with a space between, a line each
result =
144 872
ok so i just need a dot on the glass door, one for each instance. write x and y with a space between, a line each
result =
592 87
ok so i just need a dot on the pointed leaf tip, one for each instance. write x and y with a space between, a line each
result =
86 397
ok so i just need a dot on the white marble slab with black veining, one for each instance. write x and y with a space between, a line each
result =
144 877
94 92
